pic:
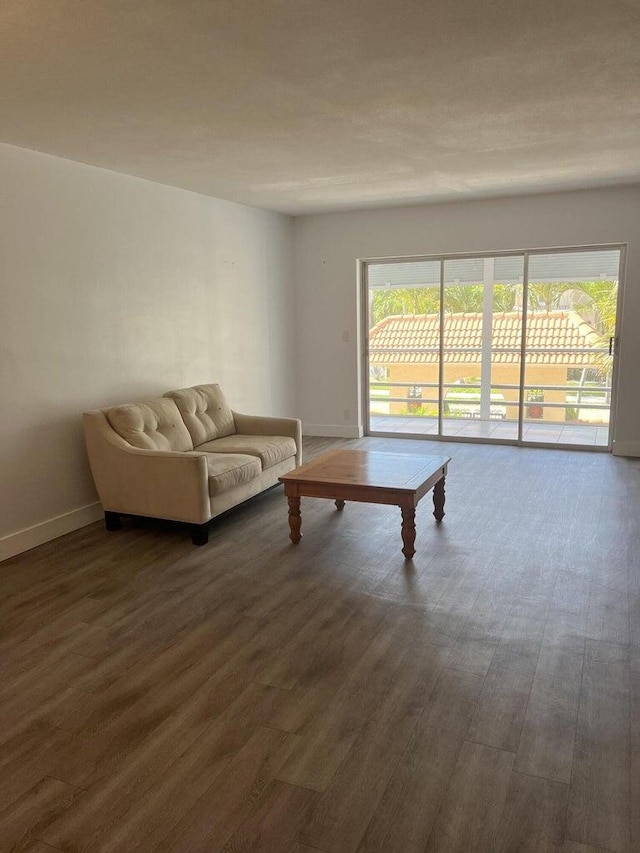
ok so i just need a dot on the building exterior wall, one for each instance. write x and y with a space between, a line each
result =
420 375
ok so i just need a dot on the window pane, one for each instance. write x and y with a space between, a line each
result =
572 312
404 334
482 345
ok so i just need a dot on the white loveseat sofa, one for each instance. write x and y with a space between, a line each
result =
186 457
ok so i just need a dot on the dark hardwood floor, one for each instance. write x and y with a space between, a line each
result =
250 695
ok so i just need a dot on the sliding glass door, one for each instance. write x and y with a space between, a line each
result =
481 355
404 347
503 347
569 347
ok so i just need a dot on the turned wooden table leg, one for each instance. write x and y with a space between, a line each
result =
408 531
295 521
339 504
438 500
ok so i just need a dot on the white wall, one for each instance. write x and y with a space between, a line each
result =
328 246
115 289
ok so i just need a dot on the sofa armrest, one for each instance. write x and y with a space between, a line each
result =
156 483
258 425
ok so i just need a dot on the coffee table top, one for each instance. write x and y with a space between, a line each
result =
371 468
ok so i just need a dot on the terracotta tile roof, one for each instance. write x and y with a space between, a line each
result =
417 336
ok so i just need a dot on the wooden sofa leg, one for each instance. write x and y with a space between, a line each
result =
112 521
199 534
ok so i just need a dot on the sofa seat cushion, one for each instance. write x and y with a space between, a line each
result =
270 449
227 470
152 425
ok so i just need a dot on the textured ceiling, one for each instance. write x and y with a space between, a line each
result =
308 105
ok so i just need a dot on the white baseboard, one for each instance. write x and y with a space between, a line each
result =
626 448
332 430
30 537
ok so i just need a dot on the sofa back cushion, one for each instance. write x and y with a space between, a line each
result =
205 412
152 425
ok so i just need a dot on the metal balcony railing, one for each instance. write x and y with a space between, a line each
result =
579 401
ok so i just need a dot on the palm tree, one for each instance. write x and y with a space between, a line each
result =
464 299
403 300
467 298
600 311
602 305
504 297
546 295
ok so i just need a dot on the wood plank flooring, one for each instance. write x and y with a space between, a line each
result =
255 696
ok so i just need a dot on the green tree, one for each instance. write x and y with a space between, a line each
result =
405 300
600 309
468 298
504 297
546 295
464 298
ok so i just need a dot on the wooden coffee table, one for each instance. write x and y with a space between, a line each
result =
373 477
